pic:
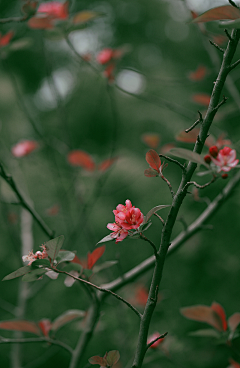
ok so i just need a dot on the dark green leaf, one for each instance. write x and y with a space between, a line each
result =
20 272
208 332
40 262
152 211
188 155
87 273
53 246
34 275
73 267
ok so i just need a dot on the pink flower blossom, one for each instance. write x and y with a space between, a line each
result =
4 40
226 159
118 232
47 13
153 337
128 217
31 257
24 148
104 56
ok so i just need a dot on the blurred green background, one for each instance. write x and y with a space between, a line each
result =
49 95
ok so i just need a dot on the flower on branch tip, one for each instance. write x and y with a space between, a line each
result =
153 337
109 57
24 148
5 39
213 150
47 13
226 159
31 257
118 232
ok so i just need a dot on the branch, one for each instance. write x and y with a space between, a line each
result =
217 47
235 64
173 161
198 185
4 340
103 290
150 242
9 180
200 120
158 338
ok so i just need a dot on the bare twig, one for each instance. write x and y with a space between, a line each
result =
224 100
173 161
217 47
103 290
160 218
235 64
199 120
150 242
198 185
228 34
155 340
9 180
233 3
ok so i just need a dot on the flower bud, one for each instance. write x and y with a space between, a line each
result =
224 176
213 151
207 159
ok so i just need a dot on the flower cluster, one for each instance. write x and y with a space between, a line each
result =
126 218
109 57
31 257
48 13
224 159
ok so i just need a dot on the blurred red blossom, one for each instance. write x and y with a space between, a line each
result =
24 148
81 158
199 74
4 40
151 139
201 98
47 13
153 337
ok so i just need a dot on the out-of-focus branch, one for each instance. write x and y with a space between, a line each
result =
10 181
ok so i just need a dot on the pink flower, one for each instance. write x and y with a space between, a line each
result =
128 217
104 56
153 337
47 13
31 257
118 232
226 159
24 148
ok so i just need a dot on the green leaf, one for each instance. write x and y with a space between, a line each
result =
66 317
65 256
230 24
34 275
20 272
113 357
87 273
103 266
53 246
219 13
41 262
152 211
105 239
21 44
207 332
188 155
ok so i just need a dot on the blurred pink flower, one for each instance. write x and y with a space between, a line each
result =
226 159
4 40
31 257
47 13
24 148
118 232
104 56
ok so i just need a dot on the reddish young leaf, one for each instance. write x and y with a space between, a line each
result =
4 40
203 313
40 23
112 357
98 360
150 173
151 139
81 158
234 364
45 326
234 321
153 160
85 16
105 165
53 211
201 99
141 295
24 326
221 312
67 317
219 13
198 74
166 148
94 256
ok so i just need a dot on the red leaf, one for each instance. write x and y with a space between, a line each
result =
4 40
234 364
201 98
94 256
40 23
112 357
203 313
141 296
24 326
166 147
153 160
98 360
198 74
151 139
81 158
219 13
45 326
150 173
234 321
221 312
105 165
53 211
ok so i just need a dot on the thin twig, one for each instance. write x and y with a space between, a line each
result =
173 161
4 340
151 243
158 338
160 218
224 100
198 185
217 47
15 19
234 64
228 34
233 3
192 126
103 290
9 180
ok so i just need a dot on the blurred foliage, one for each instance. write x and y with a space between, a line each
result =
49 95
